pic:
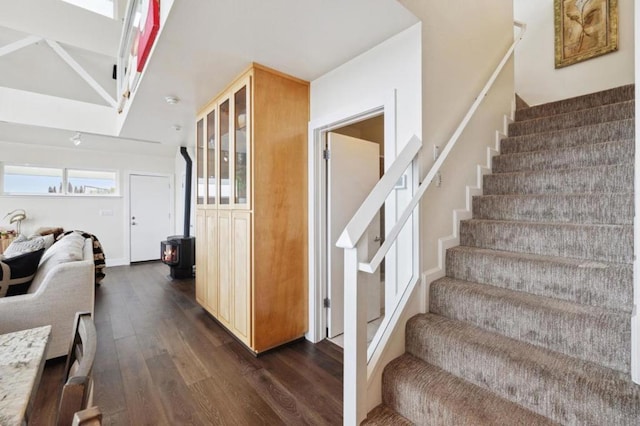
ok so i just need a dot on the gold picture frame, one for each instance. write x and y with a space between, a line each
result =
584 29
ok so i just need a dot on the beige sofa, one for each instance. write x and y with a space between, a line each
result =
62 286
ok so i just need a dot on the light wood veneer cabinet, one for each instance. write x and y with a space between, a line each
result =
251 207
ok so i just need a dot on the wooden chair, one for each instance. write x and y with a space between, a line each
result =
90 417
77 391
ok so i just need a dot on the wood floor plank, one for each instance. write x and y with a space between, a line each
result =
281 400
173 392
187 362
143 403
315 395
162 359
108 390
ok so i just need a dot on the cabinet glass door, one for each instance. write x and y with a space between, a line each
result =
225 184
241 148
212 189
200 158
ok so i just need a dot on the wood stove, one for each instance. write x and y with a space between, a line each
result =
179 253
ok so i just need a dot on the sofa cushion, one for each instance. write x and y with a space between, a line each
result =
22 245
16 273
67 249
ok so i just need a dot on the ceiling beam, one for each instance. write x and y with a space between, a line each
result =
81 72
17 45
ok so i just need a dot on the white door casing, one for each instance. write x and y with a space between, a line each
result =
352 172
149 215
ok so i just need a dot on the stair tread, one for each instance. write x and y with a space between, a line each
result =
528 299
383 416
559 224
565 114
562 170
569 130
578 103
603 284
572 119
524 373
556 324
575 136
593 179
569 261
458 401
557 364
624 147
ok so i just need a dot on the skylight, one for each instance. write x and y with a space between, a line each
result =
103 7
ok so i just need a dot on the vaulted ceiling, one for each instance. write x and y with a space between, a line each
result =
201 46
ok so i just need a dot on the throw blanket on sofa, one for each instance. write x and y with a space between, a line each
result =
98 254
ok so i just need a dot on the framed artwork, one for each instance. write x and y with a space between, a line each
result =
584 29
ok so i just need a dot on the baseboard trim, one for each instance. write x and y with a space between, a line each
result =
117 262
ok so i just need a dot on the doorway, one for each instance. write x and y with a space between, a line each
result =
149 215
354 162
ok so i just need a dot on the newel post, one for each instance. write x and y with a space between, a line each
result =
355 340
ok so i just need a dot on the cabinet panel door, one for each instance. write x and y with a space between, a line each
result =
242 275
201 258
211 253
225 285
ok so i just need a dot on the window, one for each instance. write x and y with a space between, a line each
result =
91 182
31 180
103 7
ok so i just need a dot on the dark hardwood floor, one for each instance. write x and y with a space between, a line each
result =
162 360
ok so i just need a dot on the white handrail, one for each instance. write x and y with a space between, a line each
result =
351 239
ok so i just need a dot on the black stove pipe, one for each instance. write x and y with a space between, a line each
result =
187 191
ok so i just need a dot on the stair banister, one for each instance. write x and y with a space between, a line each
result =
353 241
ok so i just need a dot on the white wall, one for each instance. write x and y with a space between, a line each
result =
106 217
392 65
537 80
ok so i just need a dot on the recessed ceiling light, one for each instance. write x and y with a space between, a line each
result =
171 100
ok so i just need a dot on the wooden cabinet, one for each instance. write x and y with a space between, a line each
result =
251 207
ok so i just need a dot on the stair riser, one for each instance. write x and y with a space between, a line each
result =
620 111
603 132
565 397
620 152
618 94
568 329
596 242
605 179
602 285
618 208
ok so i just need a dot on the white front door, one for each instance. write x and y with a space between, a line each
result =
353 169
150 215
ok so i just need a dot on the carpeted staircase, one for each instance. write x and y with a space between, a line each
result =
531 325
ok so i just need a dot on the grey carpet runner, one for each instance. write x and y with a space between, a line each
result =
531 325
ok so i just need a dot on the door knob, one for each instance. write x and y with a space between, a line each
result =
377 239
